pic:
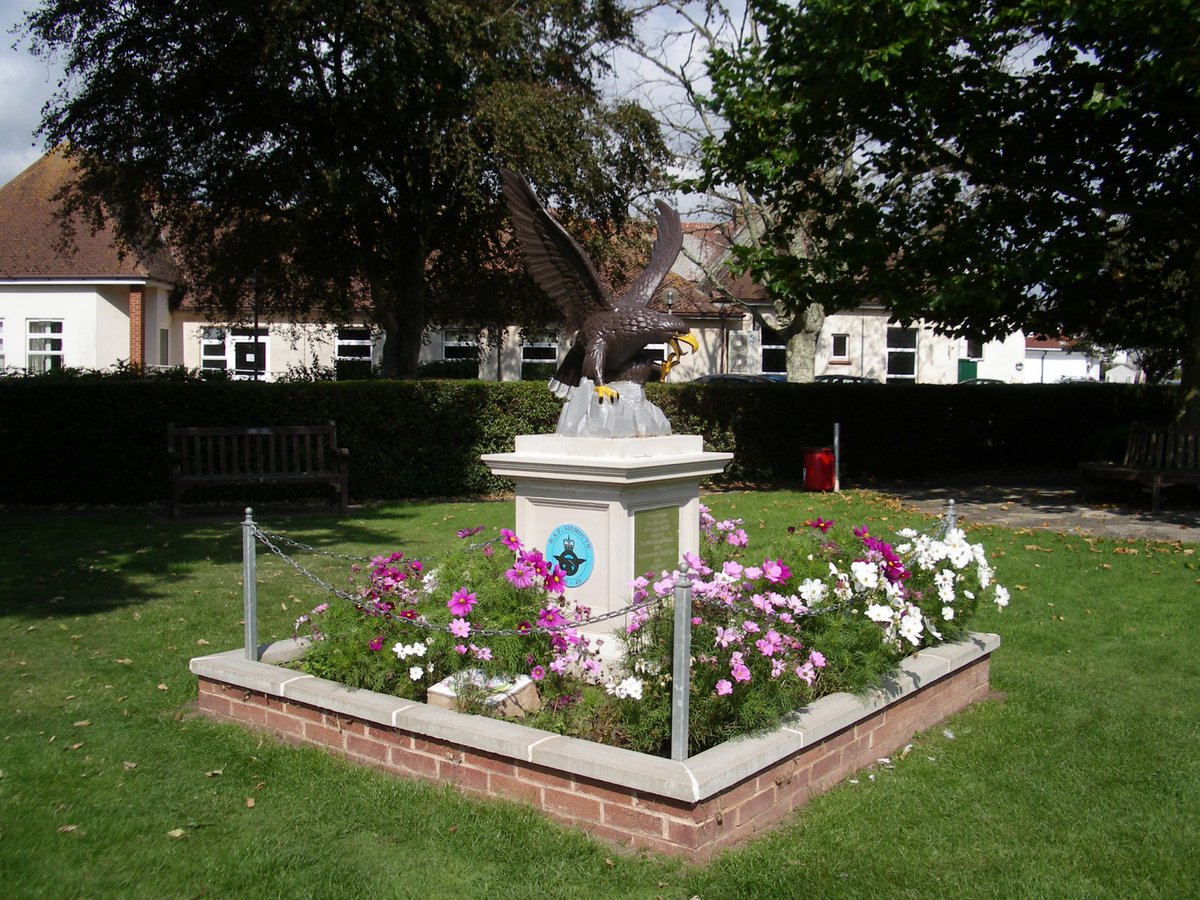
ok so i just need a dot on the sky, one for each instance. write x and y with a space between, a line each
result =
26 83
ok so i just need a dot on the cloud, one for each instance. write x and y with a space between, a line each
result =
26 83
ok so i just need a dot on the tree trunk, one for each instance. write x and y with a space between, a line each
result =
400 309
802 344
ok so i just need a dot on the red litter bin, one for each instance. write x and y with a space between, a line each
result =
818 469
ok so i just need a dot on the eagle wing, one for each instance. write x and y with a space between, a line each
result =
558 264
667 245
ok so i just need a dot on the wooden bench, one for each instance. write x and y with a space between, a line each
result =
288 454
1155 456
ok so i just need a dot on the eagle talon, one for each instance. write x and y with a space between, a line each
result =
677 352
603 390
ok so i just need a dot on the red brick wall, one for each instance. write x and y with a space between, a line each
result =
695 830
137 327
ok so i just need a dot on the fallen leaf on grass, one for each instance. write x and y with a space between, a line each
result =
1130 551
84 723
128 766
163 686
75 746
177 833
215 773
201 643
123 662
70 829
249 803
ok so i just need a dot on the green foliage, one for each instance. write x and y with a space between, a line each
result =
985 167
424 438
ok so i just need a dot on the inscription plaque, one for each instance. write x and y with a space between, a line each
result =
655 540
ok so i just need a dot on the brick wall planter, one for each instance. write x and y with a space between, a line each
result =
694 808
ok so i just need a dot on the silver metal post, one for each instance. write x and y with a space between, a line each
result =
681 672
250 585
951 515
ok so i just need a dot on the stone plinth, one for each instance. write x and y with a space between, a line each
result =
608 509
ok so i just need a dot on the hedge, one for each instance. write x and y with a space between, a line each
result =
103 440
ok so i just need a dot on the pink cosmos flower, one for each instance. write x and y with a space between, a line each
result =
469 532
460 649
775 571
817 658
550 617
460 628
376 643
488 550
737 538
806 673
510 540
537 673
778 664
520 575
556 581
461 602
523 627
822 525
738 668
724 687
484 653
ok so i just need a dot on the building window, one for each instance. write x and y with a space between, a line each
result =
212 348
164 347
539 347
460 345
901 354
840 349
974 349
774 354
45 347
354 342
237 349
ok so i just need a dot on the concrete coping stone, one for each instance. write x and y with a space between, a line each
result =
691 781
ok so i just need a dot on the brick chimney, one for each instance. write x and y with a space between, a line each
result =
137 326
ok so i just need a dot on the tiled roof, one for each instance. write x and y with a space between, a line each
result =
31 240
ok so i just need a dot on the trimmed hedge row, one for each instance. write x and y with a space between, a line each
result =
102 441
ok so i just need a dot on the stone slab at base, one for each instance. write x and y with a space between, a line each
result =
693 808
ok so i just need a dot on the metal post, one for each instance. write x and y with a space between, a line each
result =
250 585
951 515
681 672
837 456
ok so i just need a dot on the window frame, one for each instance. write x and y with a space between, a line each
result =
48 354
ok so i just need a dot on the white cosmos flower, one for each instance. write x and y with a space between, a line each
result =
866 575
416 673
1001 596
948 613
878 612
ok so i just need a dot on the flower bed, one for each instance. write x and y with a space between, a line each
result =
823 609
693 808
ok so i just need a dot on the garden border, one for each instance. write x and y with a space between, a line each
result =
692 808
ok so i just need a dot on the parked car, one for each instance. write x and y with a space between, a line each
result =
844 379
983 381
732 379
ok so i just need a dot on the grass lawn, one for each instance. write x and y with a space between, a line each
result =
1083 781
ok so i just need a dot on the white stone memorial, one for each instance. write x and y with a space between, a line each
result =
608 509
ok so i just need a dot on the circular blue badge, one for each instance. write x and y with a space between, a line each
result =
571 548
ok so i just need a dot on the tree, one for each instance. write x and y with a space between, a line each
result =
324 154
1002 164
672 46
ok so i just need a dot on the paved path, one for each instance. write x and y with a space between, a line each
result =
1051 502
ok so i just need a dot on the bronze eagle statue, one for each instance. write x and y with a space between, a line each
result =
610 335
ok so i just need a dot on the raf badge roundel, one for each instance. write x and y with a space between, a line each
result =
571 548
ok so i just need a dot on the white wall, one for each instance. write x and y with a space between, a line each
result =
95 326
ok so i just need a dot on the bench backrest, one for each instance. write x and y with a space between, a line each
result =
1163 448
278 450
